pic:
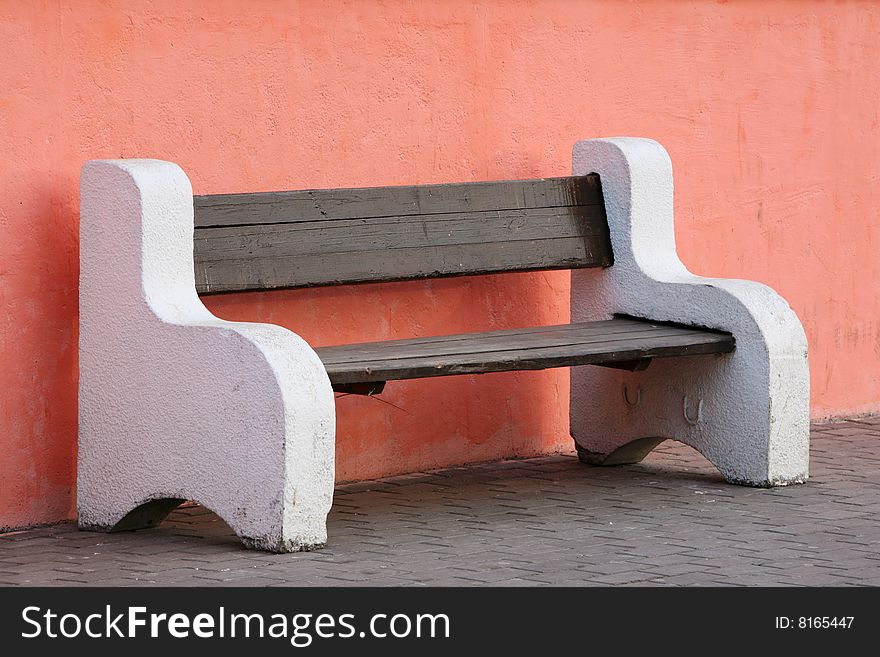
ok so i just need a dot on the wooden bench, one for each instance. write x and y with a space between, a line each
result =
239 416
340 236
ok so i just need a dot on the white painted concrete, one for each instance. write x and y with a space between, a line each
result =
747 412
175 403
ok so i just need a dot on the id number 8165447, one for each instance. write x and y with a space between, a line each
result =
814 622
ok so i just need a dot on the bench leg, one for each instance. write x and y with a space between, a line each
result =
748 411
261 521
268 503
706 402
175 404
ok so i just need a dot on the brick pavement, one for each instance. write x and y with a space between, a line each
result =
670 520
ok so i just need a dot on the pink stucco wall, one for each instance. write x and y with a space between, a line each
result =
769 111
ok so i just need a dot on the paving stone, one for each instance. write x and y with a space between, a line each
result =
551 521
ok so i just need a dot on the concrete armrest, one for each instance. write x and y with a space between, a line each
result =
747 412
176 404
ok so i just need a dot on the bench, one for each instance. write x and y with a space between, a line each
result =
176 404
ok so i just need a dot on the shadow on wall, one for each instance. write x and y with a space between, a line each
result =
39 275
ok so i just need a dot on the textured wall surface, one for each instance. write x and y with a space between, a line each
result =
765 108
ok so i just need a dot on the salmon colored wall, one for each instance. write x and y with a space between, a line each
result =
769 111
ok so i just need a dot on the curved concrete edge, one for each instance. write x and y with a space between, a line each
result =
747 412
175 403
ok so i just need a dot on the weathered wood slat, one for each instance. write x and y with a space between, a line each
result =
508 339
385 234
331 204
399 264
588 343
477 347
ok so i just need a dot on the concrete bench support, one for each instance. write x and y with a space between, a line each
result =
175 404
747 412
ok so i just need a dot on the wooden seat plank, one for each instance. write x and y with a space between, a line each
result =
589 343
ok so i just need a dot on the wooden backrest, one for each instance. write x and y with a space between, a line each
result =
336 236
